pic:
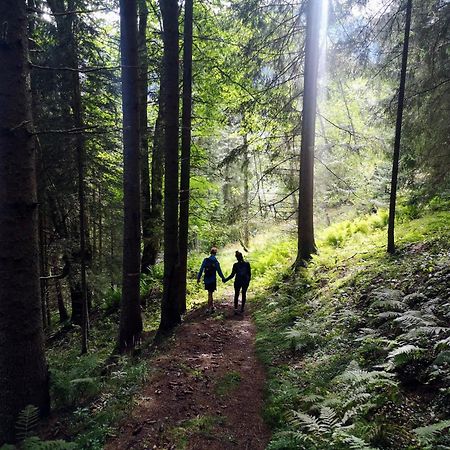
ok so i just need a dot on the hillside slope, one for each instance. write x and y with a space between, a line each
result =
357 346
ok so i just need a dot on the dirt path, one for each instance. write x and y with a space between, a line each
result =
205 392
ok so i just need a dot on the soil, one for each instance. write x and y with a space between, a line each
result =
205 390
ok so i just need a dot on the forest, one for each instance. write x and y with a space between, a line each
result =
160 157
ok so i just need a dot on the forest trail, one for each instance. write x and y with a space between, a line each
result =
205 389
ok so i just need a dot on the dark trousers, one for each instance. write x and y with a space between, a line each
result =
237 288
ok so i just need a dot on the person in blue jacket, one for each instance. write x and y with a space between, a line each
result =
210 266
243 273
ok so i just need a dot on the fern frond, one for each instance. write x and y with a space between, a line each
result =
443 343
27 422
308 422
405 353
427 434
388 305
34 443
442 358
386 315
328 417
415 318
353 442
352 412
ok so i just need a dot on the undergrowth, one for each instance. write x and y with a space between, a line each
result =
357 346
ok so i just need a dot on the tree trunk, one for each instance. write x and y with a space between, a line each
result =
145 169
76 253
245 167
23 370
306 244
170 315
63 316
398 132
185 152
153 243
130 316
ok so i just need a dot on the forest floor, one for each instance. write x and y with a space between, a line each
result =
205 390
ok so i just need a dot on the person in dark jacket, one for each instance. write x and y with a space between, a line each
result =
243 273
210 266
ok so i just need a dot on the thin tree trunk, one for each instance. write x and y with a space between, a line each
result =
398 132
63 316
23 370
130 316
245 166
81 160
170 315
306 244
153 243
185 152
145 169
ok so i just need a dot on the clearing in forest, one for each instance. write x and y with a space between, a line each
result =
204 391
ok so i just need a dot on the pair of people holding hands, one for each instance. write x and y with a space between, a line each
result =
241 270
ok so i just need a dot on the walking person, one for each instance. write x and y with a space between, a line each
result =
210 266
243 273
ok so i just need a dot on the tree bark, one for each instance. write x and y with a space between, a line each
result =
145 168
23 369
186 132
398 132
130 316
306 243
170 315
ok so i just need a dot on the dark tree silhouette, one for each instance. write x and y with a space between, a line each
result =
170 315
130 316
186 125
398 131
23 370
306 244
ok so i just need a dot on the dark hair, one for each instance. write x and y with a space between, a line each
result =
239 256
213 250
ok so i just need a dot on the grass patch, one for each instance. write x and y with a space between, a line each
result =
227 383
199 425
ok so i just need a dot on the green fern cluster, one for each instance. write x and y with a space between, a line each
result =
26 428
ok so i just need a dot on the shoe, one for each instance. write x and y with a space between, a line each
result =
236 312
241 312
213 309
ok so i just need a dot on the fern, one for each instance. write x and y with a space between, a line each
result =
427 434
388 305
413 318
34 443
442 358
308 422
353 442
405 354
27 422
355 375
328 417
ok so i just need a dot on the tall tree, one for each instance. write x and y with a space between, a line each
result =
23 370
186 127
170 315
143 117
76 255
130 316
398 131
306 243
